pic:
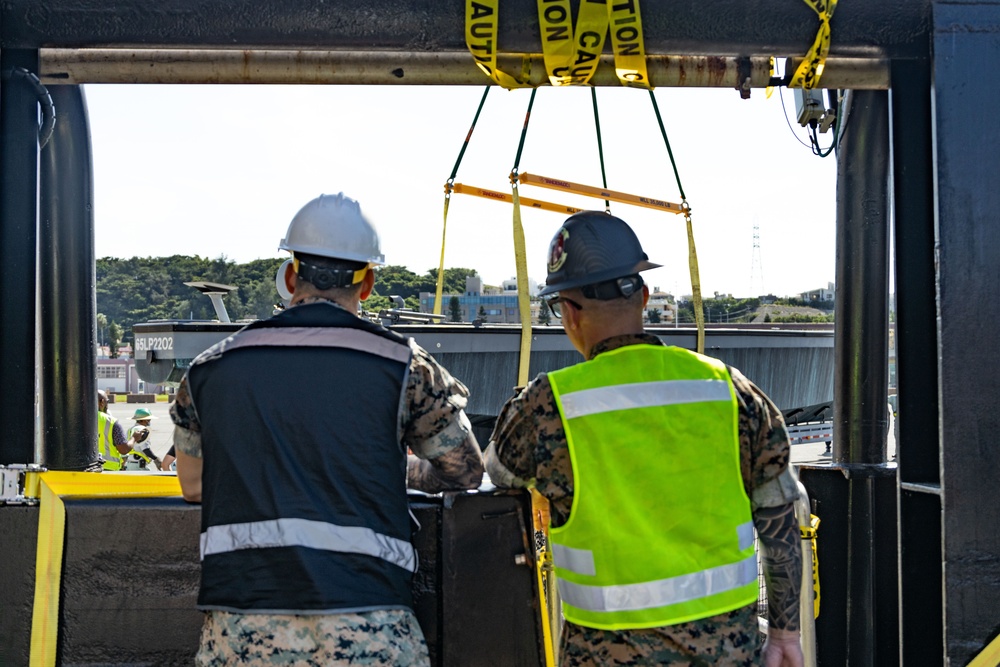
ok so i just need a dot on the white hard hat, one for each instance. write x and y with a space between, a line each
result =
333 226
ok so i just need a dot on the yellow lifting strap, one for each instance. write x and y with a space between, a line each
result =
50 487
810 70
989 657
599 193
523 298
439 286
462 189
699 311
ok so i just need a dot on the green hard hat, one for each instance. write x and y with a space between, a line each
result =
142 413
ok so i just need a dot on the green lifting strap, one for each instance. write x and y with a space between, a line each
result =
600 147
699 314
448 187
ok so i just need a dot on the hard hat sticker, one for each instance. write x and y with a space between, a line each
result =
557 251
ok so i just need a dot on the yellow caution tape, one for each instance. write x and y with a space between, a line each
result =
545 574
524 201
599 193
809 533
444 232
571 55
481 18
523 299
809 71
627 44
50 487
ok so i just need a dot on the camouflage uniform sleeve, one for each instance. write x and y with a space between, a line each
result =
764 447
528 447
434 426
187 429
772 488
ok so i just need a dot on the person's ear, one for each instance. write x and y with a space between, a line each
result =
570 316
367 284
645 295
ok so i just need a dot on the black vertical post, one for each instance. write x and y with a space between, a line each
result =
861 351
18 195
965 53
919 501
861 337
67 309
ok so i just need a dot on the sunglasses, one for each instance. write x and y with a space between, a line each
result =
554 304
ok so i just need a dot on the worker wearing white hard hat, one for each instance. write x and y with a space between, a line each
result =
295 429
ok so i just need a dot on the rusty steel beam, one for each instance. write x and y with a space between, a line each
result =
232 66
781 28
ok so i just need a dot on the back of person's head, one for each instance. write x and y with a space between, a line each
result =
102 400
333 244
597 256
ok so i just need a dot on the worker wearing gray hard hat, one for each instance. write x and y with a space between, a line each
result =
658 463
293 434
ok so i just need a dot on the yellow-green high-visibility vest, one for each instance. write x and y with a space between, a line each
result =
660 530
105 441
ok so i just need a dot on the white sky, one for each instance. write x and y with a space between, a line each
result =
221 170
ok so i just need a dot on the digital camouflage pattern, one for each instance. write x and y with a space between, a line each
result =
433 425
529 442
384 637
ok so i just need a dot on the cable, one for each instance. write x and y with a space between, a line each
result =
784 112
44 101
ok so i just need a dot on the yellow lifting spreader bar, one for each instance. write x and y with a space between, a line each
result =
507 197
598 193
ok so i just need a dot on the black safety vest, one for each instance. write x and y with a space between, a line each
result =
304 504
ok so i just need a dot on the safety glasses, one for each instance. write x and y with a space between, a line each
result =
555 304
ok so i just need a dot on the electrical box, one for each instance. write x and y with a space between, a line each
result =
811 111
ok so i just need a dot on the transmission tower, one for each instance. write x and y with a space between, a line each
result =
756 265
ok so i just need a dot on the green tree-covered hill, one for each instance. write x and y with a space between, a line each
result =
152 288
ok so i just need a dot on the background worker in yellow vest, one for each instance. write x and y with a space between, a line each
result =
112 444
658 463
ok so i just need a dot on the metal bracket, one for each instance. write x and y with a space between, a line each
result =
12 483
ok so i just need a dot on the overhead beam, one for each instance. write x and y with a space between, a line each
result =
781 28
232 66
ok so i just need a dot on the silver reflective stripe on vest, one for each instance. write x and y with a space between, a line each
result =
307 533
580 561
643 395
653 594
351 339
744 533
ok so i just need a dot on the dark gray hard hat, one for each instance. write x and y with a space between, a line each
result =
593 247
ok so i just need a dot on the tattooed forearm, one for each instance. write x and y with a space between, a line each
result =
781 552
459 468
